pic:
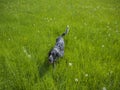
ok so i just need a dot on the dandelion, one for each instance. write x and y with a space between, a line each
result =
25 51
76 79
86 75
104 88
68 26
70 64
103 46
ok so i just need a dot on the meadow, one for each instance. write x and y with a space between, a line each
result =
29 28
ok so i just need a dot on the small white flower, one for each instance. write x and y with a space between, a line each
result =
70 64
103 46
76 79
104 88
86 75
68 26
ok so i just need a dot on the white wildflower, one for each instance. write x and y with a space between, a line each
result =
86 75
70 64
25 51
68 26
104 88
103 46
76 79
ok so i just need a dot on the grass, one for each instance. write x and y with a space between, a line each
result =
28 29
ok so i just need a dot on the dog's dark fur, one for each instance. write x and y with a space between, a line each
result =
58 50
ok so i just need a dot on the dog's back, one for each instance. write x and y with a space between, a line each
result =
60 43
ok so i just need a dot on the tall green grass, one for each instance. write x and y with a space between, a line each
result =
28 29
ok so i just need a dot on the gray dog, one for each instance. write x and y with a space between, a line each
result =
58 50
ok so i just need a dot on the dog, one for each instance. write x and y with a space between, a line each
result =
58 50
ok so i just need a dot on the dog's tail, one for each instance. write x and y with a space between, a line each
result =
66 32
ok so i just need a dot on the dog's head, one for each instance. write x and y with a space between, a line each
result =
52 56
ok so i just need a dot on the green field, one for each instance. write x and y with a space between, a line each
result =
29 28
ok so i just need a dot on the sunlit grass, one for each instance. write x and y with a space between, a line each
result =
29 28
